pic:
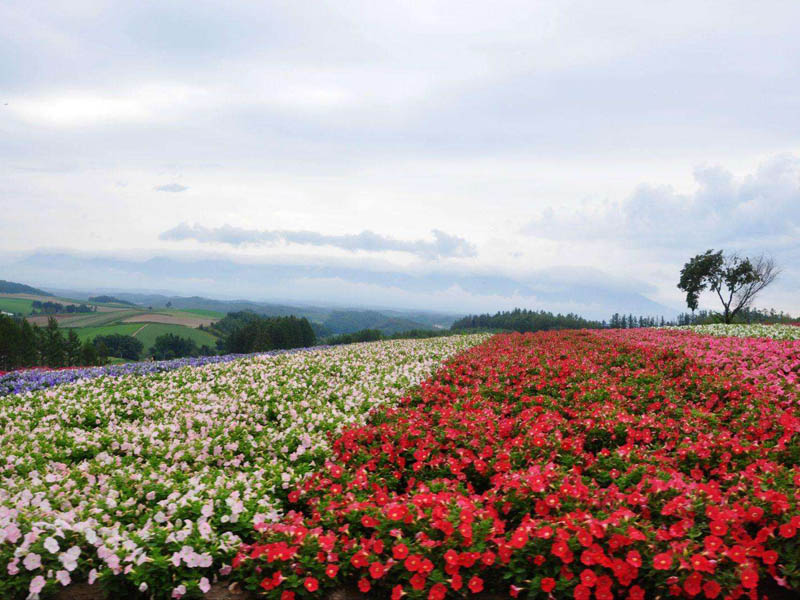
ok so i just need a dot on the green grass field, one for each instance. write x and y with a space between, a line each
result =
202 312
89 333
151 331
16 305
147 332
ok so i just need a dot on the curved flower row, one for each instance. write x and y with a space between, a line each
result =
622 464
150 483
772 331
29 380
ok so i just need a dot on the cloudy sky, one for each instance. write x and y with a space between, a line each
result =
449 155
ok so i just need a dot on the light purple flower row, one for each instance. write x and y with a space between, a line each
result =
19 382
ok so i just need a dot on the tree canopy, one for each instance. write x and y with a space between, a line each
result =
736 280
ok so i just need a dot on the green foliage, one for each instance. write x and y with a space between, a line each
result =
525 320
169 346
52 308
374 335
122 346
246 332
734 279
26 345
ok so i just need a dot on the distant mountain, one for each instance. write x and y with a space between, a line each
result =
327 321
350 321
590 293
10 287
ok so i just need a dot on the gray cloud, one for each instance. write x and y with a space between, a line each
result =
759 210
171 187
443 245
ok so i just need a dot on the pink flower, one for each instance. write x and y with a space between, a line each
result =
204 585
63 578
32 561
37 584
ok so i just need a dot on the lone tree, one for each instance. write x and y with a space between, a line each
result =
736 280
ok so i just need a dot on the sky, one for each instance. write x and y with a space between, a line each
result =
460 156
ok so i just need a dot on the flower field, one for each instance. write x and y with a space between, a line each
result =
775 332
146 484
37 378
574 464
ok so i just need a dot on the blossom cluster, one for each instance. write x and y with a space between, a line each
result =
585 464
771 331
151 483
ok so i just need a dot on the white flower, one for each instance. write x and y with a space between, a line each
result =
51 545
32 561
37 584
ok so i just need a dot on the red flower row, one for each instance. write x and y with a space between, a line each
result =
604 465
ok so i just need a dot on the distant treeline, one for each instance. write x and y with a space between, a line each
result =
26 345
530 320
375 335
51 308
245 332
525 320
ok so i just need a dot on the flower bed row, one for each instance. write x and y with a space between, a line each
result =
769 331
149 483
582 465
29 380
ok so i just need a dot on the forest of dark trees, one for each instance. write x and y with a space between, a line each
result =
528 320
26 345
375 335
525 320
244 332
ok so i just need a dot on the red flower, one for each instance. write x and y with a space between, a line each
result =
287 595
770 557
377 570
662 561
582 592
400 551
588 578
787 530
548 584
634 559
331 570
311 584
692 584
636 593
475 584
364 585
711 589
749 578
413 562
438 592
